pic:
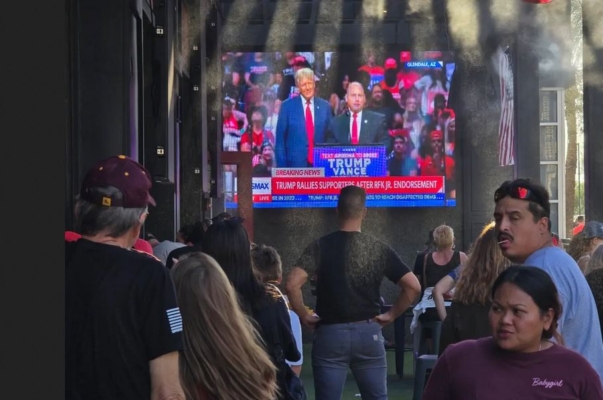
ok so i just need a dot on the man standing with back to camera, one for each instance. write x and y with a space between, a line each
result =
122 323
349 266
522 214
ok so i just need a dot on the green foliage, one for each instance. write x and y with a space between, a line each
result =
579 199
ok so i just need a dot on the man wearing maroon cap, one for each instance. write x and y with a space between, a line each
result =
123 325
437 163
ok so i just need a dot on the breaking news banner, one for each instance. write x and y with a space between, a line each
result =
372 185
297 172
292 189
339 161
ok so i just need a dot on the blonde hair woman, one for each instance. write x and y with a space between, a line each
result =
468 314
437 265
223 356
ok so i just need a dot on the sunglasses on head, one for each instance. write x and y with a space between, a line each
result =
517 192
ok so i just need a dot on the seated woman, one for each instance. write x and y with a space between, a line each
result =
223 357
468 315
436 265
519 361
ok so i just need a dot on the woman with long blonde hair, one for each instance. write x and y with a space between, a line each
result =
223 356
468 314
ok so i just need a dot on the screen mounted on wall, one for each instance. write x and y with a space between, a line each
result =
376 120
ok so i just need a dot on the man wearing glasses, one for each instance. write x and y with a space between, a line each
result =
524 235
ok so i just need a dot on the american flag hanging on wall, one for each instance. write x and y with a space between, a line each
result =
506 126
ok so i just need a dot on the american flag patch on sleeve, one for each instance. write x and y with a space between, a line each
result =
175 319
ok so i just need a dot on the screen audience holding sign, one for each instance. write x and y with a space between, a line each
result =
378 121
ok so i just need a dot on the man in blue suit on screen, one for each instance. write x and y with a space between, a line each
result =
302 123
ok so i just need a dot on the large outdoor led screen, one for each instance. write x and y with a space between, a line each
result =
401 149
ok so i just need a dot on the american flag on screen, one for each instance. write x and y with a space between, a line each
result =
506 128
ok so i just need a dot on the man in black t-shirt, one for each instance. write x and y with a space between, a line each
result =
349 267
122 323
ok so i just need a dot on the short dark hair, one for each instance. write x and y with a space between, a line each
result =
259 109
537 196
196 234
539 286
185 231
267 262
351 203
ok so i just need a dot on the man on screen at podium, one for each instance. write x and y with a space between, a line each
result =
358 126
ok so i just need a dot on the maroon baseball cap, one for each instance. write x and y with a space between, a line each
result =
132 179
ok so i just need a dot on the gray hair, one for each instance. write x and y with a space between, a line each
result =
355 83
92 219
303 73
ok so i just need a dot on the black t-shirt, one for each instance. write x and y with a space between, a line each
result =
120 313
436 272
260 170
288 80
349 268
259 72
179 252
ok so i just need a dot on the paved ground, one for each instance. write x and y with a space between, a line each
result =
399 389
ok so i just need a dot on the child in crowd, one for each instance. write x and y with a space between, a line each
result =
268 266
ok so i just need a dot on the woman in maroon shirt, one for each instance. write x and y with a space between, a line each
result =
519 361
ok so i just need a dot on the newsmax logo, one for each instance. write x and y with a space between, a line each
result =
261 186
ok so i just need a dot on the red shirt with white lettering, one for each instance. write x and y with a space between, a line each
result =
479 369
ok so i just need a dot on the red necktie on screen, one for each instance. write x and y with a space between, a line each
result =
355 129
310 132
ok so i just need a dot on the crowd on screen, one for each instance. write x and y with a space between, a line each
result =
419 127
210 315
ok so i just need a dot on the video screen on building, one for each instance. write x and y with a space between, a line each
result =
379 120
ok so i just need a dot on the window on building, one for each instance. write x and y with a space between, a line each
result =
552 154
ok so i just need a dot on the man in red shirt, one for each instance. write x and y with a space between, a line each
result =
252 141
438 163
